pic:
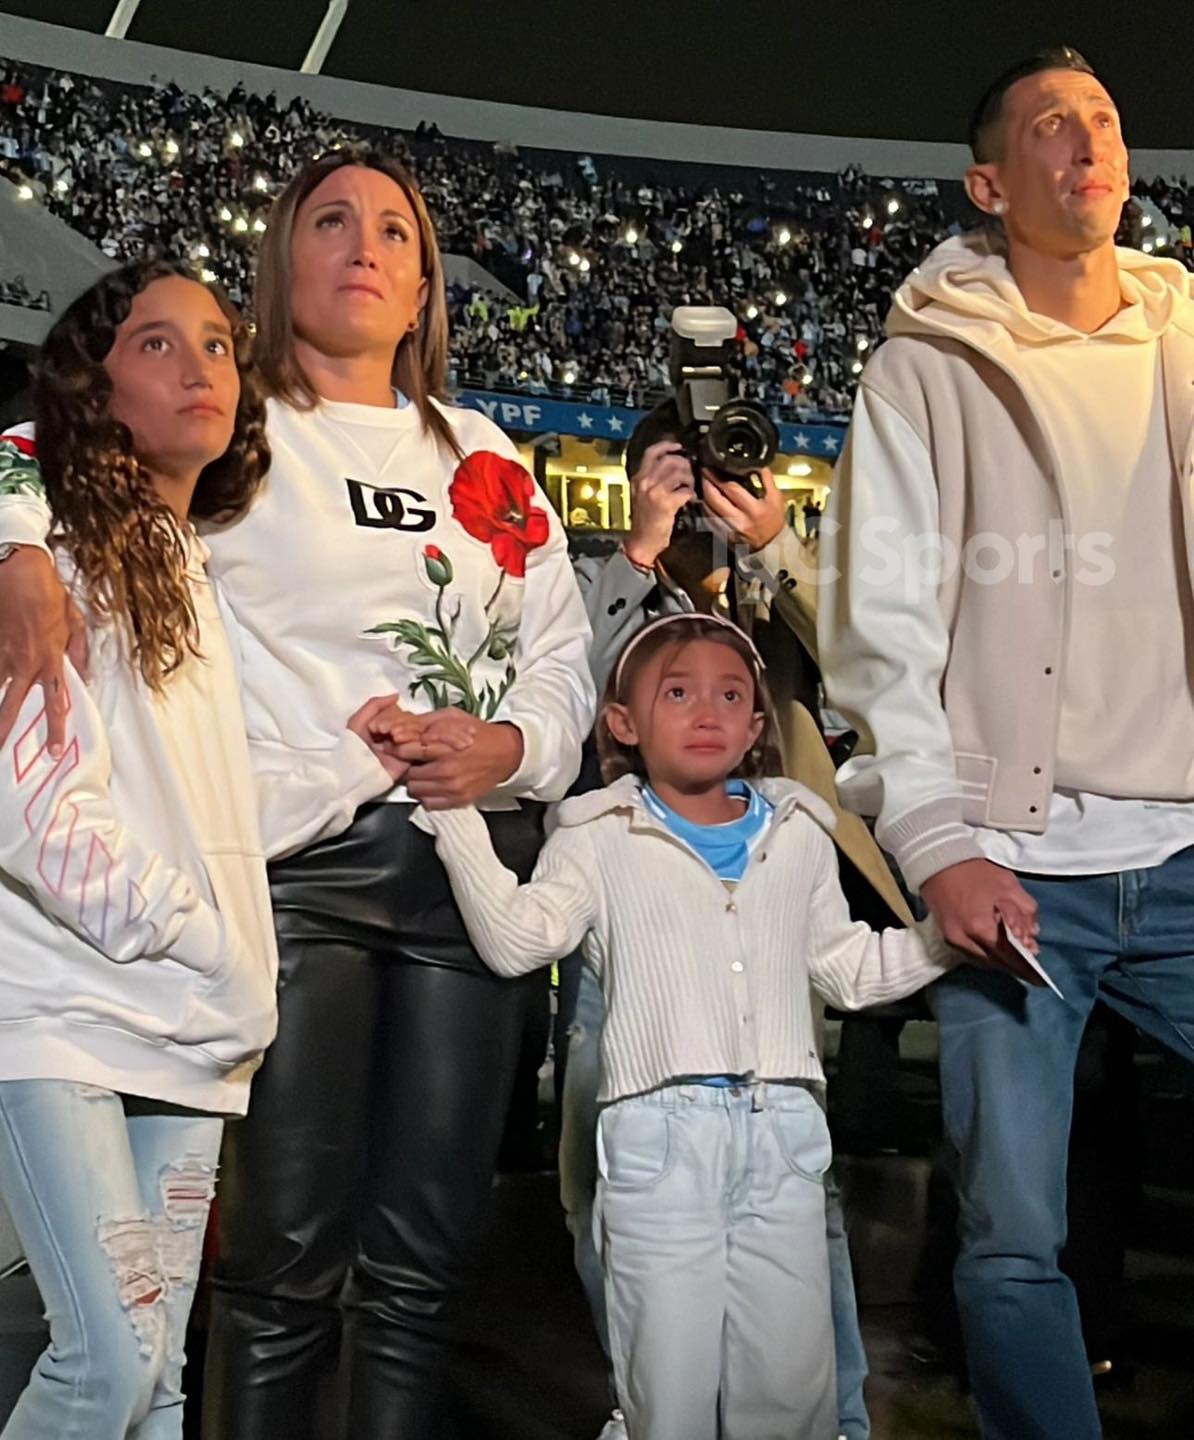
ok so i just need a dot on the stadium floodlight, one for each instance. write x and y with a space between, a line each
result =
122 18
329 26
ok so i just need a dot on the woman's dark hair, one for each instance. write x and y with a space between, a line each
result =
421 359
128 547
763 758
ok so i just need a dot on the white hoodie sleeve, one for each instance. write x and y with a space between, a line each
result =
884 645
552 701
516 928
61 838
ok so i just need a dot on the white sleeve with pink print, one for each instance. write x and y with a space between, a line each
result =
61 839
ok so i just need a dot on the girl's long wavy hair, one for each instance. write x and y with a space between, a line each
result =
420 367
763 758
128 547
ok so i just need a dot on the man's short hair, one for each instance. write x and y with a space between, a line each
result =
661 423
986 143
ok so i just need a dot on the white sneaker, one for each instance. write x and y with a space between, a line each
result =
614 1428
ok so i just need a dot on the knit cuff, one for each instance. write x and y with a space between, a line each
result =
929 838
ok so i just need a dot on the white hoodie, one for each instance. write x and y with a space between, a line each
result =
138 942
1000 713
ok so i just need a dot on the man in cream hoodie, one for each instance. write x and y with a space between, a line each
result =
1008 624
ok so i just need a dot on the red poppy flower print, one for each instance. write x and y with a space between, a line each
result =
491 497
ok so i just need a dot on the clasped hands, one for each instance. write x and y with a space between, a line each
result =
446 758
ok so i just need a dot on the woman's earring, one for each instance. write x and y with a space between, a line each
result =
999 207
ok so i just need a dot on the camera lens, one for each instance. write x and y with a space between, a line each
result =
740 440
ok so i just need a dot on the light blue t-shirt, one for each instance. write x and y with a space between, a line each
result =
725 848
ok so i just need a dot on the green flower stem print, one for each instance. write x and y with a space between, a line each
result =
441 674
20 473
491 499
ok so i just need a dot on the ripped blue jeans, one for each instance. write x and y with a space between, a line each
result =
109 1196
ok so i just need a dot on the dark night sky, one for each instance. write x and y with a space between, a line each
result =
897 70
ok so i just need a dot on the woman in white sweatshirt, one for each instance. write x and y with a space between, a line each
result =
397 545
137 988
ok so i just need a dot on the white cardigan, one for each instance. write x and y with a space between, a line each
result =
698 978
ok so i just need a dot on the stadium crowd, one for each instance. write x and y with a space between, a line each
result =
14 290
590 259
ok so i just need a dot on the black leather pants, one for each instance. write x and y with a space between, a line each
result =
357 1189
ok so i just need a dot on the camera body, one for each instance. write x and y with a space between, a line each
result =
734 438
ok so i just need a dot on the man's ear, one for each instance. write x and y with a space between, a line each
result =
984 189
620 725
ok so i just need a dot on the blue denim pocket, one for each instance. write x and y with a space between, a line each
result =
803 1138
634 1145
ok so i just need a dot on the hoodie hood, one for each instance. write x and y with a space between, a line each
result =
965 291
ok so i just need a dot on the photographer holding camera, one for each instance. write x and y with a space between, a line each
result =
703 498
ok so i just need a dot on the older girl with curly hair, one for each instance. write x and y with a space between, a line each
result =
398 544
137 990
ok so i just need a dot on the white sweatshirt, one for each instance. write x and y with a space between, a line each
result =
137 936
334 571
371 561
697 980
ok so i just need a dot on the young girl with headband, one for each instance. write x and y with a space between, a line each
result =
706 897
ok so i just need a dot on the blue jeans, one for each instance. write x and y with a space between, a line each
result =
578 1186
110 1208
711 1208
1007 1077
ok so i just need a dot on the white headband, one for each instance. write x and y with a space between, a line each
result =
685 615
